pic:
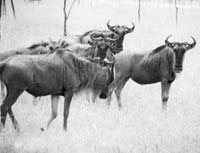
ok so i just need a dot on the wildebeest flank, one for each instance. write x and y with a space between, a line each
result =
59 73
159 65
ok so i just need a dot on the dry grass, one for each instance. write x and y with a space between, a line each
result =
139 127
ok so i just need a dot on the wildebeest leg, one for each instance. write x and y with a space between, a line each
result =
67 102
119 86
10 99
14 121
2 90
165 85
87 93
54 109
110 91
94 95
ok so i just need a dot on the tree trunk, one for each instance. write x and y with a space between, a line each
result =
13 8
65 18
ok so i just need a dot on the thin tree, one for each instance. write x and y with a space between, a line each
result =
3 7
13 8
66 15
139 9
176 7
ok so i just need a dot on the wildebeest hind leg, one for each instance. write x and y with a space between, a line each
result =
10 99
54 109
67 102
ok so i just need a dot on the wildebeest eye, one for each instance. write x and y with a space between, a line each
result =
114 44
186 45
173 44
114 28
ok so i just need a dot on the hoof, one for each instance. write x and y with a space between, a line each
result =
102 96
42 129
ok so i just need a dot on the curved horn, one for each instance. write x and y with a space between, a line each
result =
109 26
115 38
192 44
131 29
167 40
50 40
96 37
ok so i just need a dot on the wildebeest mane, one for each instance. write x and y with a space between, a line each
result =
80 65
84 70
152 61
158 49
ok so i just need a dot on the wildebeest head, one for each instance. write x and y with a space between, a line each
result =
103 78
103 44
179 50
54 45
121 31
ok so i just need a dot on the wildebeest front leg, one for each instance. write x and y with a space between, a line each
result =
54 109
119 86
110 91
165 85
67 102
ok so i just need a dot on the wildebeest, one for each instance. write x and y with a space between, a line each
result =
121 31
38 48
60 73
159 65
100 46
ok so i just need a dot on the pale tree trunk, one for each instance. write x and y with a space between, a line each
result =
13 8
65 18
139 10
176 7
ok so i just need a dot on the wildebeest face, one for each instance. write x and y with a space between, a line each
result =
104 77
120 30
179 50
103 44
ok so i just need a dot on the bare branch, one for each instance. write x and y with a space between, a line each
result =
176 7
13 8
139 10
4 6
66 15
70 9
